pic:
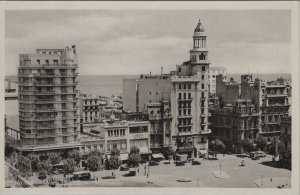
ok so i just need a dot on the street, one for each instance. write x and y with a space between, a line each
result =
166 175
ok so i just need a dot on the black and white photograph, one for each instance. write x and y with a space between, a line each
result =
150 97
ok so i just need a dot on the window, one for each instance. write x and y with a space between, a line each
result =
47 62
156 93
203 77
203 68
179 86
180 96
202 86
285 130
189 86
38 61
184 86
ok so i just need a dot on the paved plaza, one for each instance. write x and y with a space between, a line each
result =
168 175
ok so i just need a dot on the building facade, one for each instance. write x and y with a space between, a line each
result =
285 145
213 72
48 94
189 99
236 123
271 99
226 91
160 118
147 89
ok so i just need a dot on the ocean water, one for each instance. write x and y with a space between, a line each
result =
108 85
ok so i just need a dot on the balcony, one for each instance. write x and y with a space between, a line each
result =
45 101
184 116
42 109
182 100
205 132
45 92
276 95
194 78
185 125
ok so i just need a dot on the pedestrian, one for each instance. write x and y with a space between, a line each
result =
271 179
138 170
112 173
147 175
223 155
97 179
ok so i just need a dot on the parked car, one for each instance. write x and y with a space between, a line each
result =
179 163
257 155
152 163
190 160
130 174
194 162
124 168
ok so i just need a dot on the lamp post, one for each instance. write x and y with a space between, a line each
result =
261 180
220 168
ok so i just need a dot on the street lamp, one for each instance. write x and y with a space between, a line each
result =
261 180
220 168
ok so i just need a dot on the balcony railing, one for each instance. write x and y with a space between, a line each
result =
187 99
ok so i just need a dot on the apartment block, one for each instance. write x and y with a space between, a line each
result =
48 99
213 72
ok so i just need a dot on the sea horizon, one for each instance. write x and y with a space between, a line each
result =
109 85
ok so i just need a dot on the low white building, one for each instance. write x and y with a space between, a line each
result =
213 72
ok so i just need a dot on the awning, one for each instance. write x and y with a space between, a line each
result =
145 150
158 155
202 151
124 156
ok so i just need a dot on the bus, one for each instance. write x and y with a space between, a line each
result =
81 175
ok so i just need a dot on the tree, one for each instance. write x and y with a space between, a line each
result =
54 158
75 155
93 162
42 175
114 162
248 145
69 165
44 166
134 157
261 142
274 143
34 158
216 145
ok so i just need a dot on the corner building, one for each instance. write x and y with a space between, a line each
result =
189 99
48 94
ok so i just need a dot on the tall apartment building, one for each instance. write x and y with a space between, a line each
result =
271 99
189 99
48 107
147 89
213 72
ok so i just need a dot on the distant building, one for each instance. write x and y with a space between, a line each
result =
285 145
91 108
189 99
235 123
226 91
160 118
48 94
213 72
271 99
147 89
11 98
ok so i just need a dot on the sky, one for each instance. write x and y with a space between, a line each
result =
121 42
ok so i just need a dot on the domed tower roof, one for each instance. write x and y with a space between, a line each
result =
199 30
199 27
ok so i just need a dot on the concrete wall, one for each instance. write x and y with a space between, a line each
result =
227 93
